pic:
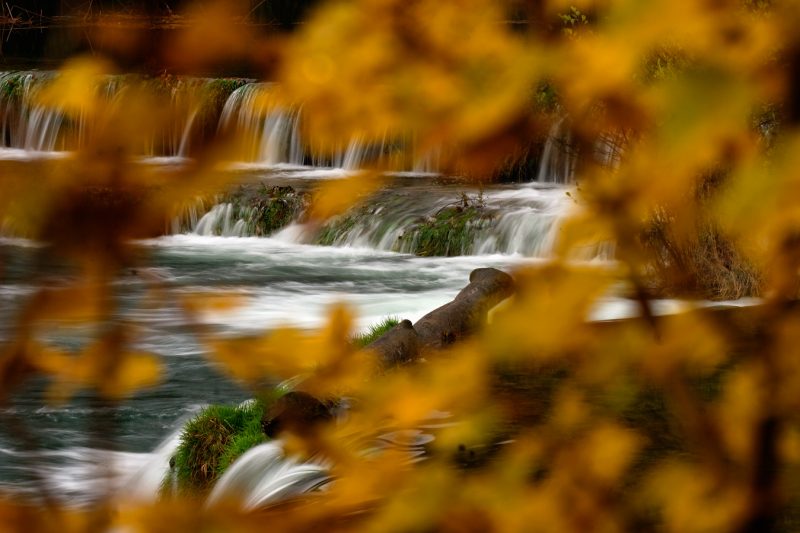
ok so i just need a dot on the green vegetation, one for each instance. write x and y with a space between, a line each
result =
212 440
12 87
451 231
339 226
269 208
376 331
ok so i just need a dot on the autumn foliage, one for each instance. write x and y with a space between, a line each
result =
681 423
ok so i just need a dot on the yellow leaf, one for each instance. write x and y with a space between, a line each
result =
335 196
75 88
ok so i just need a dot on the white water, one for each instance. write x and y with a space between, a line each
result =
281 280
220 221
143 482
558 161
27 125
263 475
270 134
40 131
525 221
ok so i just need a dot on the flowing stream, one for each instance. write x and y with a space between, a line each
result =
282 279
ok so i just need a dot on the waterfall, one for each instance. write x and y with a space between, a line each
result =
271 137
271 134
521 221
221 220
143 484
183 148
26 125
189 100
558 159
262 476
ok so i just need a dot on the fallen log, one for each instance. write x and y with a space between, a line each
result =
447 324
398 346
300 412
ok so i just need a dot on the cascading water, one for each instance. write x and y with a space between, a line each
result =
143 483
27 125
271 134
513 221
221 220
271 138
263 475
558 160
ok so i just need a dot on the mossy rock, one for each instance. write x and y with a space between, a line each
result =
340 226
278 208
267 210
450 232
297 412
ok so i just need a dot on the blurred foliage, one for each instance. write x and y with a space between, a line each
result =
681 80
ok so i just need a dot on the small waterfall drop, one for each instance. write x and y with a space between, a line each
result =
221 220
26 124
271 134
522 221
263 475
144 483
558 158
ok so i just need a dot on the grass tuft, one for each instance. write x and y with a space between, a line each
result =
212 440
376 331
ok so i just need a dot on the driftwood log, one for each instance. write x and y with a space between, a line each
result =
301 413
447 324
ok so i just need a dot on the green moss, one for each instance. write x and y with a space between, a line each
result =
212 440
12 87
268 209
451 231
337 227
376 331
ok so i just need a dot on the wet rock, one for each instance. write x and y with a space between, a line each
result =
296 411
